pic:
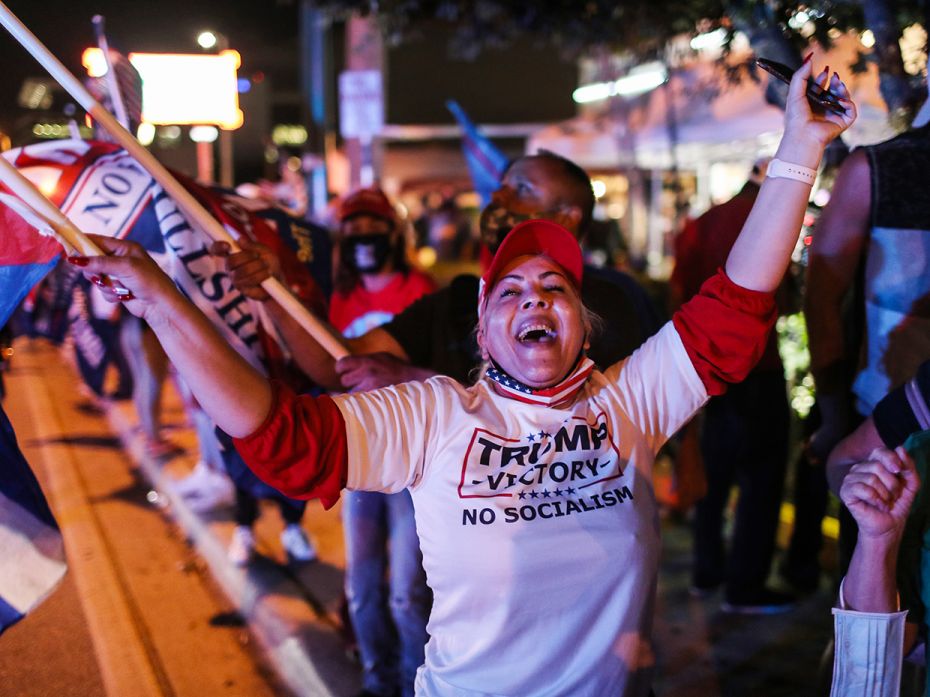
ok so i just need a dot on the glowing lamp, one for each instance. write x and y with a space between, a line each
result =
94 62
206 40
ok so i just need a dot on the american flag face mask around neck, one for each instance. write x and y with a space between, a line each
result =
560 393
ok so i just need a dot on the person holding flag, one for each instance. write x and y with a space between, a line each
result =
531 486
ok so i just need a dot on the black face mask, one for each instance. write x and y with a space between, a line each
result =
366 253
496 221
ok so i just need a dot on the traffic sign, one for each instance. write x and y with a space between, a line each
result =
361 104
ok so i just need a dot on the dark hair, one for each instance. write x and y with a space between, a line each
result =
347 278
580 192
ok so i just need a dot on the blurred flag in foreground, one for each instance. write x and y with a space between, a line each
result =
485 162
25 258
32 559
105 191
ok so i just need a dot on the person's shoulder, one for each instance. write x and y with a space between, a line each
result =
603 276
601 282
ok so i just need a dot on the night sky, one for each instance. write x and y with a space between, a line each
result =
525 82
140 25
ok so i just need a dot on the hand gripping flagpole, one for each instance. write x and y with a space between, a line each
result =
191 207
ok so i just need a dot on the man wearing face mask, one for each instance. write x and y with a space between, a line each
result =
436 333
373 278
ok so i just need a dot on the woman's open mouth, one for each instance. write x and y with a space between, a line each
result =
536 333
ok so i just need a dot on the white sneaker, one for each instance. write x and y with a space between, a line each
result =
242 546
193 481
296 544
206 489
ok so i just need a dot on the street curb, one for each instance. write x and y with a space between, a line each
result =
125 664
301 645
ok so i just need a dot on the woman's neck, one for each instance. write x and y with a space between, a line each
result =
376 282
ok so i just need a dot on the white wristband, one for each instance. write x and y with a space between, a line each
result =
788 170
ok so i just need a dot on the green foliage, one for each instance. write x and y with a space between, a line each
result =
573 26
792 345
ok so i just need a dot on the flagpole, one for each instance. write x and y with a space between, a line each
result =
116 96
70 236
191 207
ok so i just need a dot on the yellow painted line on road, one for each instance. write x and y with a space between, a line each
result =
121 654
830 525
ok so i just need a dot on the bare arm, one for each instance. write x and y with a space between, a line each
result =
317 363
879 493
852 449
254 263
235 395
835 254
762 251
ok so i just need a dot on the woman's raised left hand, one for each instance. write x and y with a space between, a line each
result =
807 126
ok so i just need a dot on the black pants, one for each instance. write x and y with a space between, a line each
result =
246 512
744 443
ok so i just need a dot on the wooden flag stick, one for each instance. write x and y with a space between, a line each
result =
73 240
191 207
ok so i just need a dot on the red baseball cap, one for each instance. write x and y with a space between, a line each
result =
367 202
535 237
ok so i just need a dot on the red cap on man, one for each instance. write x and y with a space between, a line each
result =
367 202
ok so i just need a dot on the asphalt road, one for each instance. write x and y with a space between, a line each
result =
136 614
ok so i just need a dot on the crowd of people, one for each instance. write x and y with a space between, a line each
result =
492 442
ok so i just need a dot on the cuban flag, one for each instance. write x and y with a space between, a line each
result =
103 190
25 258
32 559
485 162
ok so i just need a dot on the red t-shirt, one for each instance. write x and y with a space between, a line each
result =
359 311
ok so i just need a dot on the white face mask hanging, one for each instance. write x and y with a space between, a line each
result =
868 652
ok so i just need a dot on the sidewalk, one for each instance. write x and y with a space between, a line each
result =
293 611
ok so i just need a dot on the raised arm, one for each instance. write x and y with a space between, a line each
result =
763 249
724 327
235 395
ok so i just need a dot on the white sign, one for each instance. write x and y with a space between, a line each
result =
190 89
361 103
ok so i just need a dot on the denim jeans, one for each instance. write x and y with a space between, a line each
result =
389 622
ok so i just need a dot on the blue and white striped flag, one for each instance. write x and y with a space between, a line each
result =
485 162
32 557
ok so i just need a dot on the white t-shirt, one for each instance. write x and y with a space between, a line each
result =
538 526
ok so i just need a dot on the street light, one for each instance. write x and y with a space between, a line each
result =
207 40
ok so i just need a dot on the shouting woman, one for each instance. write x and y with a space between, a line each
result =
532 489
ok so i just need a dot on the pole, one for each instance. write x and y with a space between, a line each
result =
316 67
65 231
204 162
197 213
116 96
226 159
